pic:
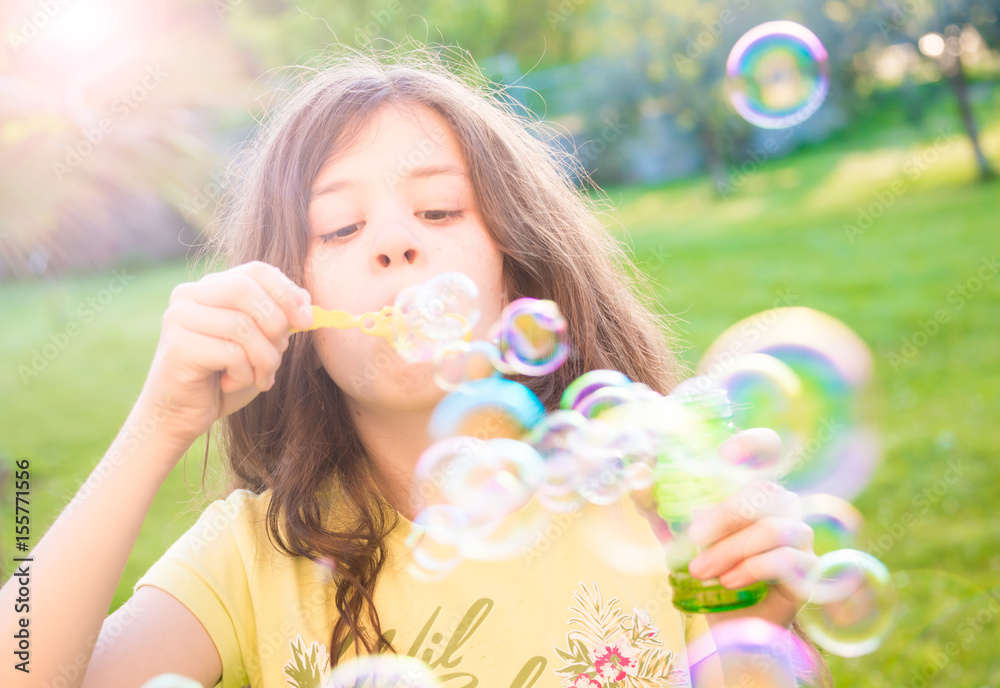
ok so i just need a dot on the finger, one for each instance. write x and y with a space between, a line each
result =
263 291
784 566
294 301
770 532
242 292
755 448
759 499
238 328
214 355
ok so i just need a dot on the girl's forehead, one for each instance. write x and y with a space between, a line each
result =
397 139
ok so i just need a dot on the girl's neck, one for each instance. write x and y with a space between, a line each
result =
395 440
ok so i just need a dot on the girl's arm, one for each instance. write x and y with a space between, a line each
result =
75 569
221 344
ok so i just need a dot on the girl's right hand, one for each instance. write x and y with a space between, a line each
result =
221 344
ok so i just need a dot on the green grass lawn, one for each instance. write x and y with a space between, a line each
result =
715 261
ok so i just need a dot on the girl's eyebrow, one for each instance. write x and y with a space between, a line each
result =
415 173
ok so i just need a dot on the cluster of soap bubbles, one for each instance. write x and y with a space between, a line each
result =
432 315
501 465
433 321
777 74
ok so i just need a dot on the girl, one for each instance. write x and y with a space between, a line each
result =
375 176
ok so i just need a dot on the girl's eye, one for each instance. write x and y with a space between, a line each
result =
342 233
438 215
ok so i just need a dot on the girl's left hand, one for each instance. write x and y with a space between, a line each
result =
758 534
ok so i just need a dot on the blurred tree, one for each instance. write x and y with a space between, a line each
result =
679 48
952 15
287 32
941 31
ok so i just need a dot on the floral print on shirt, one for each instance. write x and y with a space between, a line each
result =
609 648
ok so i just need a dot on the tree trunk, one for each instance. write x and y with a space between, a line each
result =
956 77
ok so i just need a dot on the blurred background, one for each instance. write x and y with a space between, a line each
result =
118 118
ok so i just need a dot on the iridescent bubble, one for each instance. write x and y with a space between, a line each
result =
822 444
600 464
462 362
434 541
835 522
551 437
382 671
590 382
759 652
491 407
473 495
533 339
600 400
853 603
508 537
438 465
434 314
486 480
777 75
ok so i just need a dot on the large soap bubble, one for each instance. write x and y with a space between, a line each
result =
777 74
800 372
853 603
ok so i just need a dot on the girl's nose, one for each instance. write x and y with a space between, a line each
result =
387 258
396 246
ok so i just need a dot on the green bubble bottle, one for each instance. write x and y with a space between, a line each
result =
689 478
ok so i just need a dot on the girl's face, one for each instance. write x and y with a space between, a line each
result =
393 209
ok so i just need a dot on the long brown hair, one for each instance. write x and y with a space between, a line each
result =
297 439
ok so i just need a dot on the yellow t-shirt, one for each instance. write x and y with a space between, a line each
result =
585 601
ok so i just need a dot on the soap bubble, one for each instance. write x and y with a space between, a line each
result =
472 495
491 407
600 400
532 337
600 463
434 314
777 74
462 362
434 541
590 382
853 603
382 671
486 480
835 522
824 447
759 652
